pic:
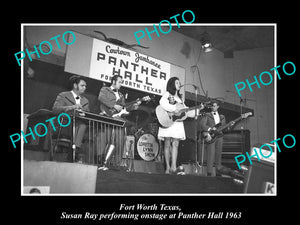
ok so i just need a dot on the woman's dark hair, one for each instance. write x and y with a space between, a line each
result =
171 86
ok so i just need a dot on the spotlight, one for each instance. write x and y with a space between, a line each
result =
205 41
207 47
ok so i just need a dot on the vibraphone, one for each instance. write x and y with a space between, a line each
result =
102 131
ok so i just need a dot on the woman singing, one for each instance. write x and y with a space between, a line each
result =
173 134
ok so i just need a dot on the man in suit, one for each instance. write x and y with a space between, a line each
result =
70 100
214 150
111 99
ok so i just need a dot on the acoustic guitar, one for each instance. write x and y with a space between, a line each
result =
166 119
216 131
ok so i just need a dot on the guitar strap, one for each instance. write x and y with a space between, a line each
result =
121 100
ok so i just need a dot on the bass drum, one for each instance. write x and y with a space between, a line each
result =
147 147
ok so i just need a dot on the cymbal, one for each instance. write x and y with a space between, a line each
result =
139 117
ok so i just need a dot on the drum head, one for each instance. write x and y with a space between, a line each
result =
147 147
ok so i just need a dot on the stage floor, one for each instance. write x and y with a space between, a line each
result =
148 178
122 182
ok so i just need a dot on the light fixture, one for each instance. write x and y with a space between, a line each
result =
205 41
207 47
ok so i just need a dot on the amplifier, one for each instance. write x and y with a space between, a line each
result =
260 178
235 142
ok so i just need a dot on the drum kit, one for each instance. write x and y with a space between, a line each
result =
141 140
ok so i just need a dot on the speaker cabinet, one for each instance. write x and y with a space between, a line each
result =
235 142
260 175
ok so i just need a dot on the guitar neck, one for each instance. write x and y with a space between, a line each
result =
131 103
228 124
190 108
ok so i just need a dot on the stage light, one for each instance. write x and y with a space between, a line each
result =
207 47
205 41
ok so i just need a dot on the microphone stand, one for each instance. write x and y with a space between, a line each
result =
198 167
199 170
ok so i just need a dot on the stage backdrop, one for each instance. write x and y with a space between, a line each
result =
101 60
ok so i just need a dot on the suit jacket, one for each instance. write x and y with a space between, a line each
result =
108 99
65 99
208 121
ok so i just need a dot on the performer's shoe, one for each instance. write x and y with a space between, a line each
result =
181 173
104 167
229 172
178 171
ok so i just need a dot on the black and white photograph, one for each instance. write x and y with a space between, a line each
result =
180 113
168 117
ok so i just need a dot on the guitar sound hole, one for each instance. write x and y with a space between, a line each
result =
178 117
